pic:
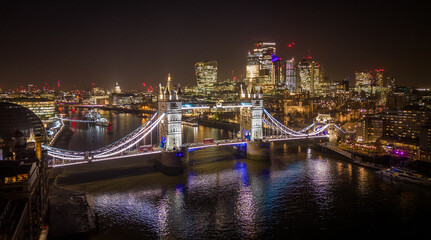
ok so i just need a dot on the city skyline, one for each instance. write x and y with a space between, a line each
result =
79 43
214 120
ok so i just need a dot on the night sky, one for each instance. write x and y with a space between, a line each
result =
132 42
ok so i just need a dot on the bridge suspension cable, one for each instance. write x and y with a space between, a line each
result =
117 147
276 125
130 142
340 128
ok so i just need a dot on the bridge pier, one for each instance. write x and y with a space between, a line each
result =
172 162
258 150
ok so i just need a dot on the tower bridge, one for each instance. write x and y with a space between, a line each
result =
172 153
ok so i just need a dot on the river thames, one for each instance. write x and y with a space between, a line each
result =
301 193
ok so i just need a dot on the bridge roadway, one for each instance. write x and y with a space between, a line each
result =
191 147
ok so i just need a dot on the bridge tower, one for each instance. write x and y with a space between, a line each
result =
169 101
251 118
323 119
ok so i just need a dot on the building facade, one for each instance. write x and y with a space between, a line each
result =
311 78
402 128
291 76
42 107
260 69
206 77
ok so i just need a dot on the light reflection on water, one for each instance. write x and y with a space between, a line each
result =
307 194
248 200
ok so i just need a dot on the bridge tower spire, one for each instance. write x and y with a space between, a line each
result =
169 101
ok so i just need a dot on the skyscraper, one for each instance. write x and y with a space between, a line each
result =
310 76
291 80
206 76
373 82
260 69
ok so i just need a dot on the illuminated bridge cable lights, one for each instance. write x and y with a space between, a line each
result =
130 135
144 134
340 129
272 126
276 122
70 153
126 144
279 127
122 143
115 150
307 128
276 125
111 149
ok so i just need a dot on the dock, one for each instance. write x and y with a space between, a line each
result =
351 156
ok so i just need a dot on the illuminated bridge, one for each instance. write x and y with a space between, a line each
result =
253 117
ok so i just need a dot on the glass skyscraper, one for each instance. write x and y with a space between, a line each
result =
206 76
310 77
291 80
260 68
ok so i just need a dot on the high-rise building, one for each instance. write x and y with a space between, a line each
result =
378 78
324 84
378 87
373 128
310 76
291 80
260 69
206 76
279 71
364 81
373 83
402 128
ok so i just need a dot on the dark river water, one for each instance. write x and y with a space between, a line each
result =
299 194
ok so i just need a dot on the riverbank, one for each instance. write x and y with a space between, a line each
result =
376 164
71 216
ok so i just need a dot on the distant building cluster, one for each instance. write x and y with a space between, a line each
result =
368 104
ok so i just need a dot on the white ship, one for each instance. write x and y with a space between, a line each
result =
406 175
96 118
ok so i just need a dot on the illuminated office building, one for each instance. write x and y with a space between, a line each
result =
363 81
261 69
310 76
206 76
378 78
291 79
373 83
43 108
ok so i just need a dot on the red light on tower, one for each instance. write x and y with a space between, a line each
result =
143 84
